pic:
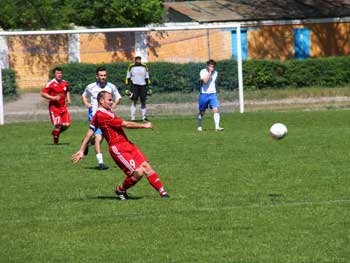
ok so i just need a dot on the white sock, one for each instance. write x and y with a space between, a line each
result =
217 120
200 120
143 112
99 158
133 111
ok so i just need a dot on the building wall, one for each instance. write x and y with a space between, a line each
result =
106 48
271 42
189 46
330 39
33 56
277 42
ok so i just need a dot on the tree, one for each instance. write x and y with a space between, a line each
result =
116 13
60 14
34 14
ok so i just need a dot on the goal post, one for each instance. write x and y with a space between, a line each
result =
1 100
240 70
68 46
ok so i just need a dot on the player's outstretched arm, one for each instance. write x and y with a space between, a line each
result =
137 125
79 155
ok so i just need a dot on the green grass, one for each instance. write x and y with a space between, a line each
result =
236 196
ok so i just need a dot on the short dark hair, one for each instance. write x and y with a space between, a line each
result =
56 69
211 62
101 94
138 57
100 69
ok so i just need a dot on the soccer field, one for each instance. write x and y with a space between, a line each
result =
236 196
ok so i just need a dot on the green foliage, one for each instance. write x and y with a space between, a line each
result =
116 13
80 75
174 77
322 72
9 86
257 74
16 14
260 74
236 196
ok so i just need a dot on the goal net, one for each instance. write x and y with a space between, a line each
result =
174 54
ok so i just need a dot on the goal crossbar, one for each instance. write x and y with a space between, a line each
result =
122 29
236 26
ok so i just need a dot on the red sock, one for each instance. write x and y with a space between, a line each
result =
154 180
56 133
128 182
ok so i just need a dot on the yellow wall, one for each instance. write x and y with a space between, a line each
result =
33 56
277 42
187 46
106 48
270 42
330 39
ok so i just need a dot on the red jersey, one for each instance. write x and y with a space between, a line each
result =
54 88
110 126
126 154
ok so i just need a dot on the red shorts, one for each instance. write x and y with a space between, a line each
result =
60 117
127 156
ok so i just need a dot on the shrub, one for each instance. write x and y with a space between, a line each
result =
257 74
9 86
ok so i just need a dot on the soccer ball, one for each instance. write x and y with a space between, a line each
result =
278 131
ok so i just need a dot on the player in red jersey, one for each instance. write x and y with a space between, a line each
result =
126 155
57 92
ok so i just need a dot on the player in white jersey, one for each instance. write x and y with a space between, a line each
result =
208 97
89 98
137 77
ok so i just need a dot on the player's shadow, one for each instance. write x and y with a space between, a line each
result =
112 197
95 168
211 130
58 144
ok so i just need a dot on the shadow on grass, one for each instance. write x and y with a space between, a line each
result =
58 144
96 168
110 197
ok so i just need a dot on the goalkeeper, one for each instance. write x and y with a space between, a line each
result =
137 87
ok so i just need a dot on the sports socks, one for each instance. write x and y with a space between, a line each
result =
143 112
200 118
56 134
127 183
133 111
99 158
154 180
217 120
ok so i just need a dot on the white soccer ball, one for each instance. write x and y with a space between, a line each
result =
278 130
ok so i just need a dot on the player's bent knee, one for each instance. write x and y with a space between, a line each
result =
147 168
138 173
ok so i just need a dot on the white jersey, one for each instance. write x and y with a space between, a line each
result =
138 73
210 86
91 91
